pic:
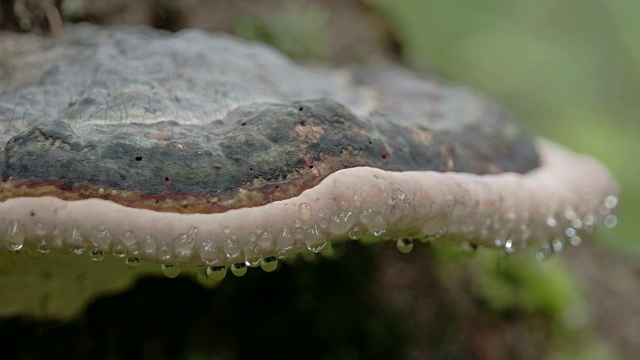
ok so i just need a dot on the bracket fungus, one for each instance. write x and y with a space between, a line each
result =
195 150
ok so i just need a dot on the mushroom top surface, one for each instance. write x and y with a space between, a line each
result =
194 122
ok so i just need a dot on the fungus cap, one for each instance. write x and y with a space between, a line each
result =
200 150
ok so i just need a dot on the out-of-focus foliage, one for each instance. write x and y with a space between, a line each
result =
569 70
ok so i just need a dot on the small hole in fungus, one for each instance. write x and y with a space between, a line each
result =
250 169
243 123
138 158
310 166
300 108
167 180
32 213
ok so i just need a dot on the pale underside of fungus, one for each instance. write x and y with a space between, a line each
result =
194 150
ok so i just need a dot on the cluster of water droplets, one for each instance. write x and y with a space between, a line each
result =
311 230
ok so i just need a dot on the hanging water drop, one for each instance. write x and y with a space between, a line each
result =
315 240
238 269
170 271
557 245
269 263
546 250
132 263
377 227
575 240
509 247
404 245
43 246
357 199
570 232
164 251
14 240
611 202
76 242
355 233
610 221
96 255
304 210
216 273
119 250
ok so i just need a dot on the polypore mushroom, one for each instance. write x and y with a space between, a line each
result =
195 150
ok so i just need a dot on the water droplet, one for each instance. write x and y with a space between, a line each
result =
43 246
226 229
238 269
357 199
575 241
266 241
14 240
164 251
570 232
400 194
101 238
404 245
545 251
231 249
209 253
287 239
557 245
304 210
216 273
76 242
183 245
148 245
39 234
170 271
56 238
355 233
377 227
119 250
611 201
551 222
509 247
610 221
132 263
577 224
269 263
130 241
570 214
96 255
341 223
252 256
315 240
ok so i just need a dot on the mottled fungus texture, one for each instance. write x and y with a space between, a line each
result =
198 150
